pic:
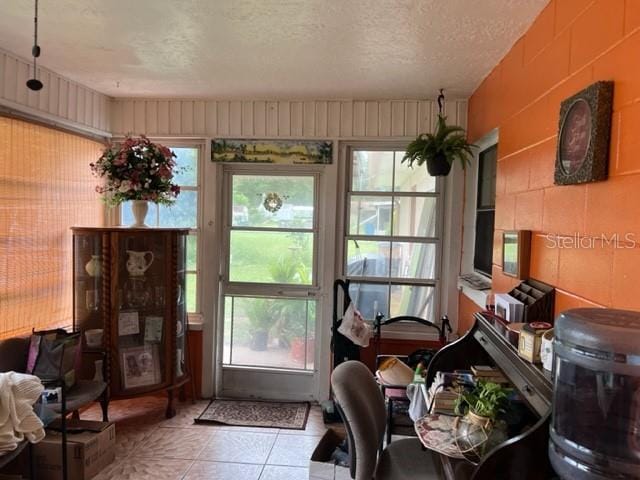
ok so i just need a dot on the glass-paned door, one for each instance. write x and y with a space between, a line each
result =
269 282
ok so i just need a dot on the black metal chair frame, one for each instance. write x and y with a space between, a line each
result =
442 330
104 403
7 458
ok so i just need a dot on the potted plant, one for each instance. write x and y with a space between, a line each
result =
479 430
139 171
440 149
261 314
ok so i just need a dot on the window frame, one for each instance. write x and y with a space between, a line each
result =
479 297
285 291
116 217
345 237
483 208
228 228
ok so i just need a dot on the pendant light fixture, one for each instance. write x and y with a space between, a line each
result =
33 83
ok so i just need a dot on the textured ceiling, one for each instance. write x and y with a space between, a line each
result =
270 48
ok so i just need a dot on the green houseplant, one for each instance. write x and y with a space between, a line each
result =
440 149
486 400
479 430
261 313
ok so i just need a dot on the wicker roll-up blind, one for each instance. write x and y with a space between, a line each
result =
45 188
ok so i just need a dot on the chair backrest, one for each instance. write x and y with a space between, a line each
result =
13 354
362 406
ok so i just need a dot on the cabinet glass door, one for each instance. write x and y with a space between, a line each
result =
181 308
140 329
88 269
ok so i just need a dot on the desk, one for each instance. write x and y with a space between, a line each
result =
523 457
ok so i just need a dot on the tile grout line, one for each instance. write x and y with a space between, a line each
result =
269 454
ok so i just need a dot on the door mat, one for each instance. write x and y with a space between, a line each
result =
288 415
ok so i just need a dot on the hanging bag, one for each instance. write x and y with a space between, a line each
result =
54 354
355 328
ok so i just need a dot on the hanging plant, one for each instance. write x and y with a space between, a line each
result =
441 148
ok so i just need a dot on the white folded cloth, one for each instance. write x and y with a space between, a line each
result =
417 404
18 393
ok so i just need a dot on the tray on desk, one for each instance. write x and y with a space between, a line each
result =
437 432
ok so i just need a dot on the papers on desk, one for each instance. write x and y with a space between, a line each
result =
437 433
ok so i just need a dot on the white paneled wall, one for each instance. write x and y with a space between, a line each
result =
60 100
286 119
67 102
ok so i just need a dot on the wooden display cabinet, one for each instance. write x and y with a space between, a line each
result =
129 300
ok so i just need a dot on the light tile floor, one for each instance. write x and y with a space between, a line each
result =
148 446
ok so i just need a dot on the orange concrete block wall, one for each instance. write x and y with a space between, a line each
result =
571 44
45 187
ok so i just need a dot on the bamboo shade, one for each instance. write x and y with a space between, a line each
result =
45 188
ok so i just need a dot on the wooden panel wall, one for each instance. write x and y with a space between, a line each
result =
286 119
45 188
60 99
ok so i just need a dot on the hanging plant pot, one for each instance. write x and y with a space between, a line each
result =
438 165
441 148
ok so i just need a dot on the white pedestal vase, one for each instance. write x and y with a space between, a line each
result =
139 208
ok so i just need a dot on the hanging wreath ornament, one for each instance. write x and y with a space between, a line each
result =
272 202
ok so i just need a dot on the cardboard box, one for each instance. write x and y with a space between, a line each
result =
321 467
91 446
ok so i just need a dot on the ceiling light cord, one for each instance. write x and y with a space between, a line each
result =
33 83
35 51
440 100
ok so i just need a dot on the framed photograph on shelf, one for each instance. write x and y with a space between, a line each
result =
140 366
584 133
516 252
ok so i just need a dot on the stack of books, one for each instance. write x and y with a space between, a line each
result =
445 402
445 390
489 374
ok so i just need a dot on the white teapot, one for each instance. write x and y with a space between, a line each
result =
137 262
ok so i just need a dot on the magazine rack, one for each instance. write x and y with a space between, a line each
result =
538 299
129 294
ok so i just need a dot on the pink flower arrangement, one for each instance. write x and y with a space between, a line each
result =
137 169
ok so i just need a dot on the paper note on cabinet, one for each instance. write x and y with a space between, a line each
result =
128 323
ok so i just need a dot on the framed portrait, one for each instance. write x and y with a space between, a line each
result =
516 252
140 366
584 132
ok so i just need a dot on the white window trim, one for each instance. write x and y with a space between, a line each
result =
479 297
114 215
401 330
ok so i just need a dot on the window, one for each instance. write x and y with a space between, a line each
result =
184 213
392 242
485 210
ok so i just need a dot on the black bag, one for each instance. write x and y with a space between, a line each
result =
423 355
53 355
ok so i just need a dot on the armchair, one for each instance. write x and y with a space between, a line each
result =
13 357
